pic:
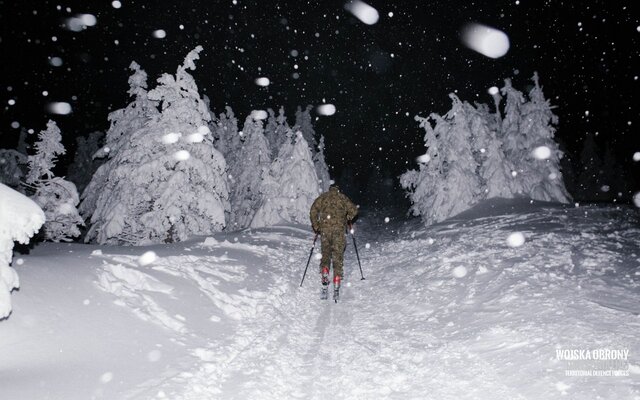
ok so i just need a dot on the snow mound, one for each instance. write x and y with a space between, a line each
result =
20 218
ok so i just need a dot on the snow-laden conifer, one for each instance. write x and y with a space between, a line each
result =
247 175
56 196
289 186
167 182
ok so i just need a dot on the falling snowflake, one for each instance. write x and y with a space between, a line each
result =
326 109
487 41
515 239
363 11
147 258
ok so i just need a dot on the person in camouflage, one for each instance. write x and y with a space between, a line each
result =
329 215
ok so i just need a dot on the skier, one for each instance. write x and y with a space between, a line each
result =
329 214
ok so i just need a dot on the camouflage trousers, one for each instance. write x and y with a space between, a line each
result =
333 245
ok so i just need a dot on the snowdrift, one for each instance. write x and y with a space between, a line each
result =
20 218
452 311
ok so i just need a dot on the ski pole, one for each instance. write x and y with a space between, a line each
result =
356 247
310 254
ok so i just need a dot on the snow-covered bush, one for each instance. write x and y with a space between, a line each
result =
246 176
167 181
473 154
289 186
20 219
57 196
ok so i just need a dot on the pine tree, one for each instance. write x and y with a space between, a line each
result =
322 170
495 169
124 122
228 139
511 135
542 178
289 186
270 132
57 197
448 183
420 185
168 181
247 177
305 126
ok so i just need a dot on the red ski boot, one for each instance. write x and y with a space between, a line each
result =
336 287
325 283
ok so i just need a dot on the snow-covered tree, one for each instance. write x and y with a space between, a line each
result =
56 196
495 169
304 125
247 174
20 219
167 182
84 163
276 130
289 186
542 178
227 138
448 183
514 145
420 185
124 122
322 170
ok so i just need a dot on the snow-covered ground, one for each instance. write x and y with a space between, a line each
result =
448 312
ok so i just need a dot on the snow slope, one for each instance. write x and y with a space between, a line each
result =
446 312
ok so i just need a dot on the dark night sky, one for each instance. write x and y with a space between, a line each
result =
586 53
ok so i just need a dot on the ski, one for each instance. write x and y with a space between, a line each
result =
324 295
336 294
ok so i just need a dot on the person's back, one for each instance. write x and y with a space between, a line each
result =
331 211
329 215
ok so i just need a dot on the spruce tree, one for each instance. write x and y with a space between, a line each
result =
289 186
304 124
322 170
168 181
247 176
542 178
511 135
123 123
56 196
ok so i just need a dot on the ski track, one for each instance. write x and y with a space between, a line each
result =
410 327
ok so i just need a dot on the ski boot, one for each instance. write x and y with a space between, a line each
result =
336 287
325 283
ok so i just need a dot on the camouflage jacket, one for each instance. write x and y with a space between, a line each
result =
331 211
